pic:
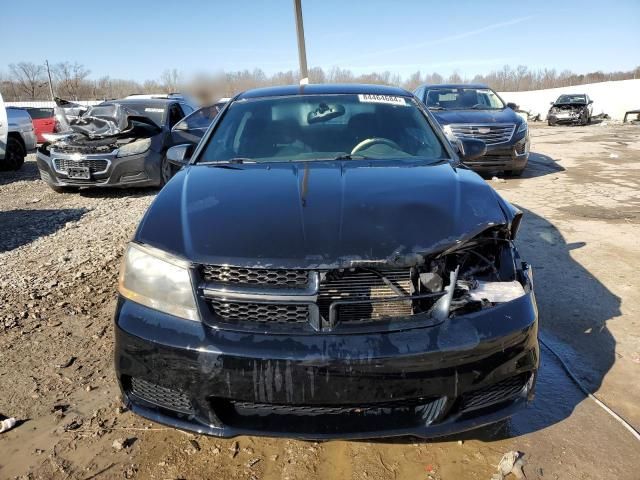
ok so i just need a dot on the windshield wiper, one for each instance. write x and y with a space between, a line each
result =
435 107
240 160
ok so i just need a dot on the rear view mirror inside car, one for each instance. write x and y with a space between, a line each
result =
325 112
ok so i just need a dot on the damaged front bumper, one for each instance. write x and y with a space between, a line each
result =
466 372
104 169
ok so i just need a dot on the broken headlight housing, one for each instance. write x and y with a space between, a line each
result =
158 280
134 148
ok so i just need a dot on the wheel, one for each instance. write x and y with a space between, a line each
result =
589 120
550 123
14 155
166 171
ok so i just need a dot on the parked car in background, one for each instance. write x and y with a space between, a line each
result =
571 109
117 143
323 266
43 121
20 137
476 111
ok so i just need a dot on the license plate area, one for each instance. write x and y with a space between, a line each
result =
81 173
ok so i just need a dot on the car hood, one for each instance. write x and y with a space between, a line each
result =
446 117
319 214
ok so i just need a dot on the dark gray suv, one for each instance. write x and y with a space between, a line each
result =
476 111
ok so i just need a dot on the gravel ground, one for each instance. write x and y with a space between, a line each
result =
59 257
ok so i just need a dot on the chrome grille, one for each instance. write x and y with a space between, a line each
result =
260 312
160 396
95 166
490 134
279 278
503 390
365 285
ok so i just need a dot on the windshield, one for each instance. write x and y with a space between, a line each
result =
463 99
571 99
322 127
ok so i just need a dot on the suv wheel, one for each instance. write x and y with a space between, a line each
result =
14 155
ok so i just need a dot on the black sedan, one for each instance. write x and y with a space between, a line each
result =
476 111
325 267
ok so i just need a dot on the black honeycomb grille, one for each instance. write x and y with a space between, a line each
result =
278 278
260 312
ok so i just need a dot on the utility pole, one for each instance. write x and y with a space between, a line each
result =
46 62
302 52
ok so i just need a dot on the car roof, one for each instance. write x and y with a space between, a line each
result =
456 85
159 102
324 89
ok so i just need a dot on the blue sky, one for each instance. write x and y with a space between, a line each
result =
140 39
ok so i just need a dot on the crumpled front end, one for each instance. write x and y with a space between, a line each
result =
569 114
103 146
441 344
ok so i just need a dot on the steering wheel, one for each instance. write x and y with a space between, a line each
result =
374 141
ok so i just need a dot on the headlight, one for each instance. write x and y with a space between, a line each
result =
449 133
523 127
134 148
157 280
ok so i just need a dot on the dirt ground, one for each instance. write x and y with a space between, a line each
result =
59 256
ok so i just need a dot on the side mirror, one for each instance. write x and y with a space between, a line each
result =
551 103
181 126
180 154
590 102
512 106
471 148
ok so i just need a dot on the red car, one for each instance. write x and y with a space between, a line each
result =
43 121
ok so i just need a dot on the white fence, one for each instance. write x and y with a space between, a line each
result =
49 104
612 98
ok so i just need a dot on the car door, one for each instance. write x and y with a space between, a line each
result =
193 127
4 128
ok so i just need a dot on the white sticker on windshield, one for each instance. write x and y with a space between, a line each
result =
389 99
157 110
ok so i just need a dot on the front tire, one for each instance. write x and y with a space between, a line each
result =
14 155
514 173
166 171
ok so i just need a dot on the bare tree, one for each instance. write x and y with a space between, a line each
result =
29 78
71 80
171 80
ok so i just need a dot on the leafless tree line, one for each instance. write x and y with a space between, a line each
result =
29 81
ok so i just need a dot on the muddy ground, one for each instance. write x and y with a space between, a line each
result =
59 255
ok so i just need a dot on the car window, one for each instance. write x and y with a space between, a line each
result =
321 127
571 99
460 98
186 109
175 114
200 119
40 113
